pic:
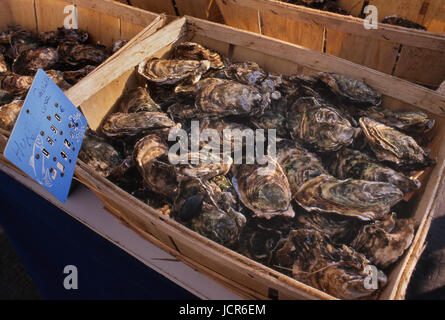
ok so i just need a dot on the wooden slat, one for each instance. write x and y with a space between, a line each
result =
421 66
203 9
353 7
240 17
408 9
346 24
308 35
158 6
11 16
375 54
50 14
114 68
434 19
394 87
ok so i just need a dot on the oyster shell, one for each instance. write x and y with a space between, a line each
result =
4 67
57 77
138 100
308 257
338 229
194 51
272 119
264 190
298 164
76 55
74 77
393 146
407 121
365 200
21 41
99 154
17 85
29 61
333 6
54 38
208 210
260 237
158 175
402 22
320 126
164 71
350 89
119 44
353 164
132 124
5 97
384 242
9 114
216 98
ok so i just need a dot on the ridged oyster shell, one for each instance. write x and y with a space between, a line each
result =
348 163
393 146
320 126
138 100
263 189
28 62
163 71
308 257
15 84
9 114
194 51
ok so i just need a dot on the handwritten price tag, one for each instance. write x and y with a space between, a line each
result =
47 137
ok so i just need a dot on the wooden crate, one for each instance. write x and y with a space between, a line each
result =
243 275
203 9
409 54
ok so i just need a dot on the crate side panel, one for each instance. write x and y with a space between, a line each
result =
434 19
411 9
353 7
158 6
16 14
374 54
307 35
239 16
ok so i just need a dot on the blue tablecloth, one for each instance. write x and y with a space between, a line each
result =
47 239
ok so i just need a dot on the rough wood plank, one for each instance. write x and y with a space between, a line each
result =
338 22
308 35
25 18
371 53
203 9
411 9
50 14
158 6
434 19
240 17
421 66
394 87
113 68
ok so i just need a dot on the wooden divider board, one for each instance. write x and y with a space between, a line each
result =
158 6
434 19
9 15
240 17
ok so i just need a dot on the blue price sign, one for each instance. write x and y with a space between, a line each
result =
47 137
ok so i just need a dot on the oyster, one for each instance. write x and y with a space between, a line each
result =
9 114
99 154
119 44
216 98
393 146
353 164
338 229
194 51
74 77
210 211
365 200
21 41
29 61
5 97
158 175
407 121
333 6
15 84
264 190
341 272
350 89
76 55
201 165
138 100
164 71
272 119
132 124
298 164
54 38
384 242
260 237
318 125
4 67
402 22
57 77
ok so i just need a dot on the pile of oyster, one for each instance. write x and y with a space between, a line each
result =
321 211
65 54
